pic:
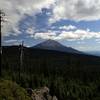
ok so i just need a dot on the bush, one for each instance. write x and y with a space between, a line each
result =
11 91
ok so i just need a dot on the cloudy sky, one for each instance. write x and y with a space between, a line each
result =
74 23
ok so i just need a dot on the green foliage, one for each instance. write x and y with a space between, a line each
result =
11 91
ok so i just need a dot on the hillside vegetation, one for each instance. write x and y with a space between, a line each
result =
69 76
11 91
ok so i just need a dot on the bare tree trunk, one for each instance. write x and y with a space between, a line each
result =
21 59
2 14
0 44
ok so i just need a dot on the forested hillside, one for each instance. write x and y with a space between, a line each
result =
69 76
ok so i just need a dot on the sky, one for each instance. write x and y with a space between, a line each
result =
74 23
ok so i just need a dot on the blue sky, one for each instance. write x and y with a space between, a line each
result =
74 23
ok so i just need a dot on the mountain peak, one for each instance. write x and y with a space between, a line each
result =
50 43
55 45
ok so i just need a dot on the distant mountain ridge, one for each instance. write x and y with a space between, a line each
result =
96 53
54 45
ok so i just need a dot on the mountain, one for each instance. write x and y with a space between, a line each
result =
96 53
54 45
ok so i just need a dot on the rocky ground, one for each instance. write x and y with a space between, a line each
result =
41 94
10 90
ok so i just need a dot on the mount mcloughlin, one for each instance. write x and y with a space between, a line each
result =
54 45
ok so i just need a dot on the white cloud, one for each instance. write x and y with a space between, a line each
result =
69 27
79 35
16 31
13 42
10 41
30 31
80 42
15 10
63 9
97 40
48 35
87 48
68 35
84 48
76 10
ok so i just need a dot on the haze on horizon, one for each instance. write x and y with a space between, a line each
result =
74 23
